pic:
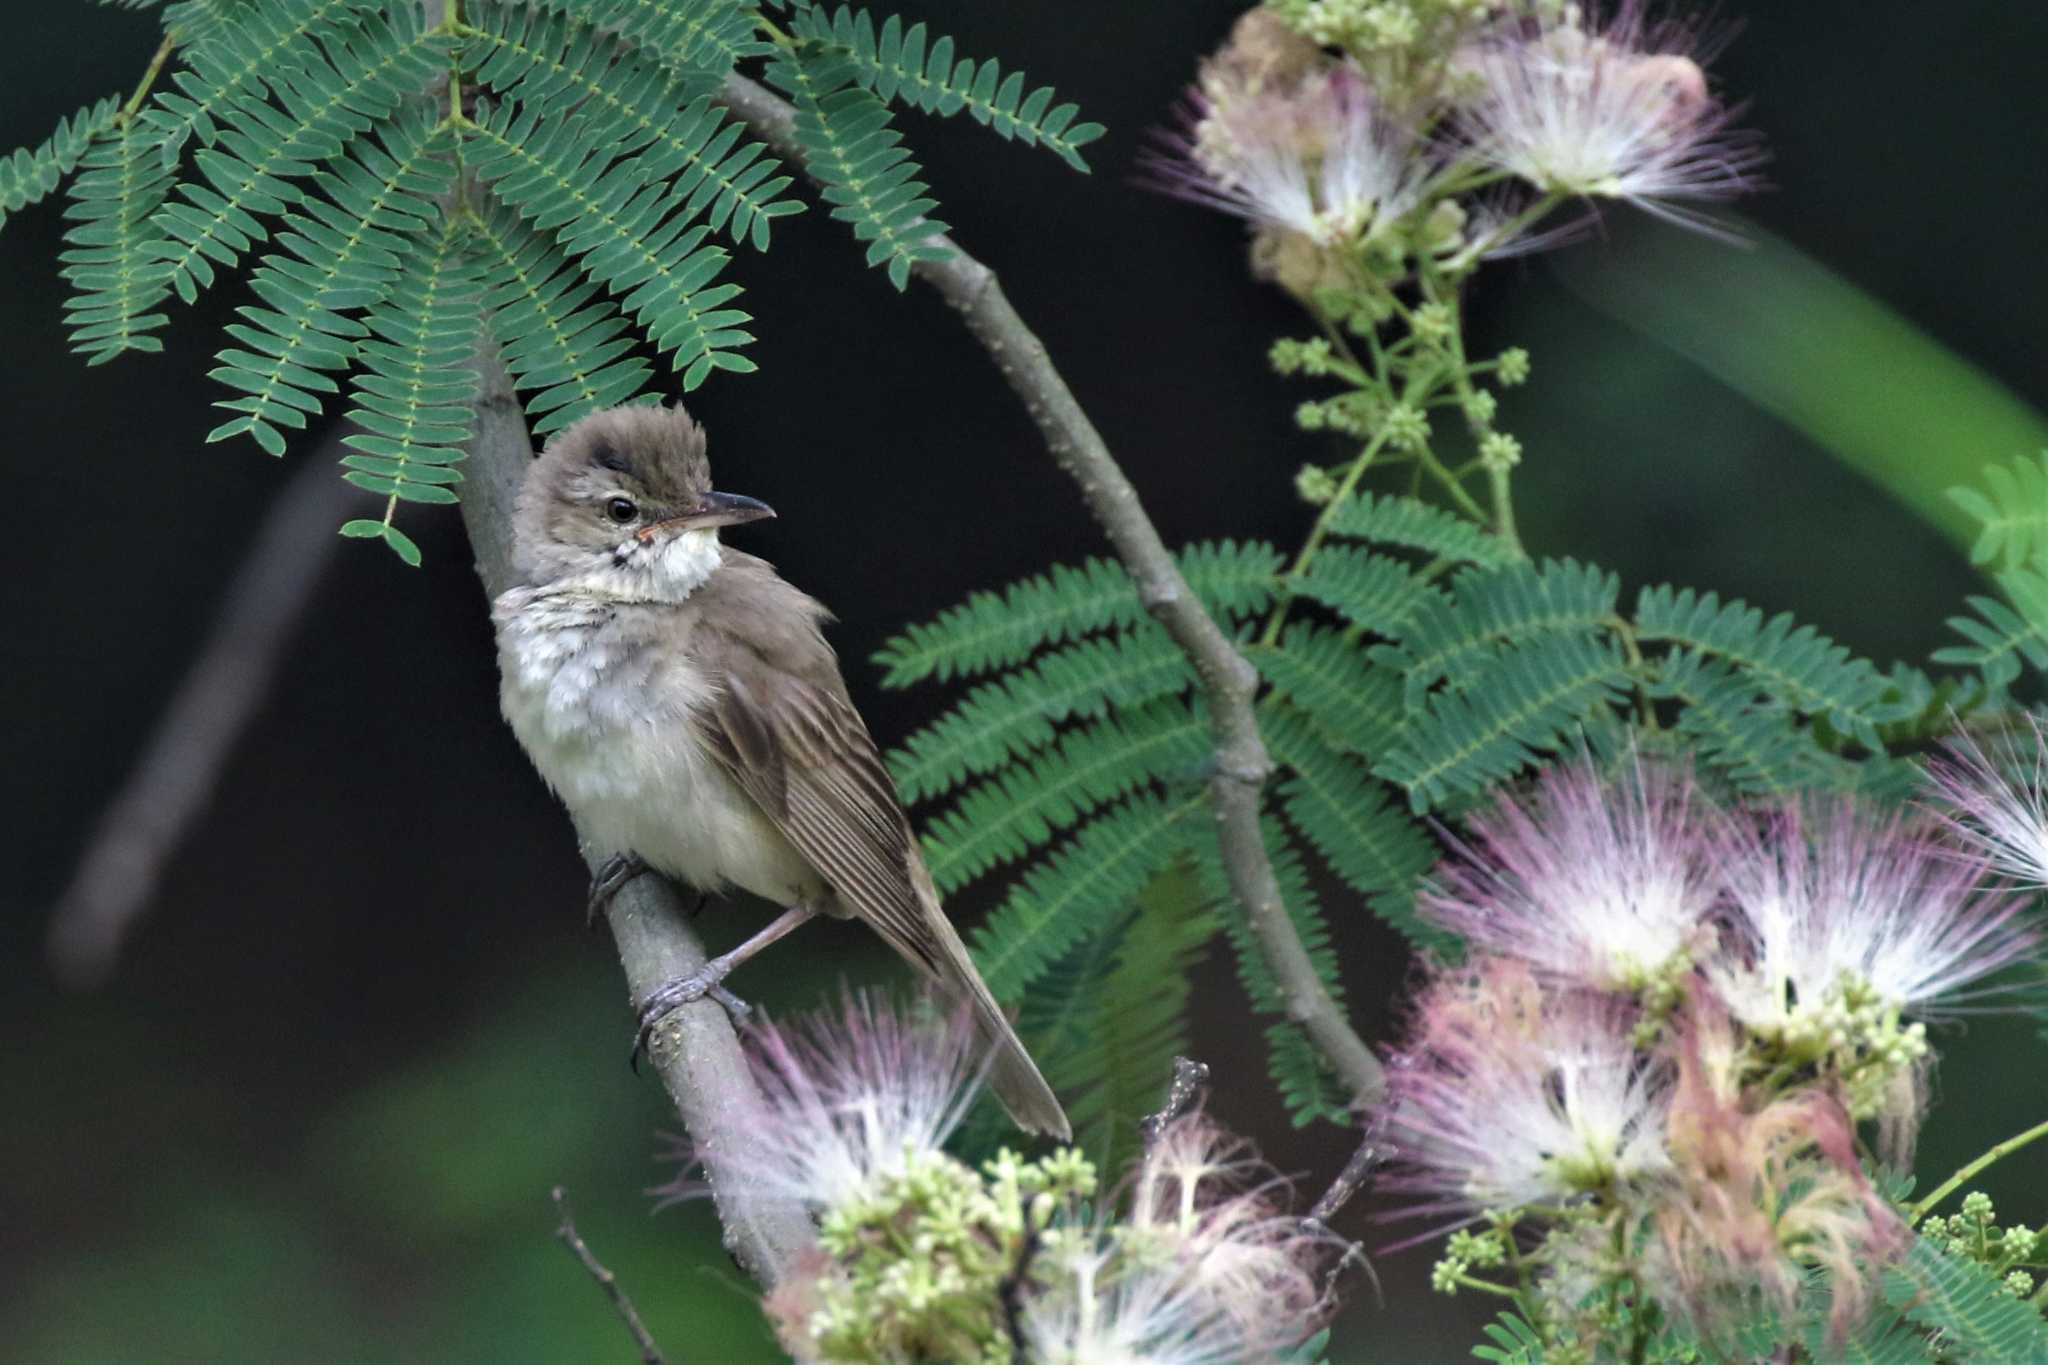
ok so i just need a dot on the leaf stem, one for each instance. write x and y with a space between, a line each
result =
1320 530
142 87
1485 1286
1497 473
1998 1152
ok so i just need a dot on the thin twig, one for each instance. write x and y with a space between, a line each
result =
1997 1152
1183 1092
1228 681
147 821
1370 1154
1010 1293
565 1232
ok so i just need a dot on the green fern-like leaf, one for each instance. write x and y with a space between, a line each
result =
902 64
1794 665
1881 1339
853 150
340 256
115 280
1356 706
1022 809
1017 714
689 36
413 395
1106 1021
1379 593
992 630
1083 887
1518 704
1390 519
1976 1318
1308 1091
1452 638
236 64
2014 513
569 348
679 134
1351 819
1757 747
331 92
29 175
2002 635
1511 1341
631 231
198 23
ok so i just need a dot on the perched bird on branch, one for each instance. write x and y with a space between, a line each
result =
680 698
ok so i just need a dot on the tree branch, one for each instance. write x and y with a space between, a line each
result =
1228 681
693 1049
147 821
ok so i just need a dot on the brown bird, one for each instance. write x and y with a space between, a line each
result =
680 698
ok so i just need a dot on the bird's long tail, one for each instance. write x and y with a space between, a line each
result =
1012 1074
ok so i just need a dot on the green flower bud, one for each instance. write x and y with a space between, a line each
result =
1443 1276
1407 427
1433 321
1315 485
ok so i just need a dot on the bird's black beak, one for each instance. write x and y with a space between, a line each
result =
726 509
712 510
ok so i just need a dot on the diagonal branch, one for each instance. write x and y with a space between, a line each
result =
140 830
694 1050
1227 679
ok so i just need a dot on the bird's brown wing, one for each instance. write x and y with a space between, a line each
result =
805 757
785 729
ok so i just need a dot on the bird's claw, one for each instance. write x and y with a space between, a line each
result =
673 995
611 878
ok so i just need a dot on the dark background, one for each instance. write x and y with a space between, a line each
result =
316 1114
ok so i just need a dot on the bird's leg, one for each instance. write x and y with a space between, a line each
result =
611 878
705 980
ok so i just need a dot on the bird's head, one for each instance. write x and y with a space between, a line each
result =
621 505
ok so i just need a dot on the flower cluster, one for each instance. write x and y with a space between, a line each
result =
2018 1255
920 1256
1673 1019
1361 136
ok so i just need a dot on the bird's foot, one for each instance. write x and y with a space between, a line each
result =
612 875
673 995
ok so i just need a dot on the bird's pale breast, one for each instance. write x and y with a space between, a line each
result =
606 712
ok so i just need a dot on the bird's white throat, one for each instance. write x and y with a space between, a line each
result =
682 563
668 569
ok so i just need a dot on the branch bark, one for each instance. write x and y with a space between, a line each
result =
694 1049
1228 680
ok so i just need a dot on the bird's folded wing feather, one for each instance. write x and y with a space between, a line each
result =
799 749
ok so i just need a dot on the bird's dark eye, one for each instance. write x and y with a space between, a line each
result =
621 510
